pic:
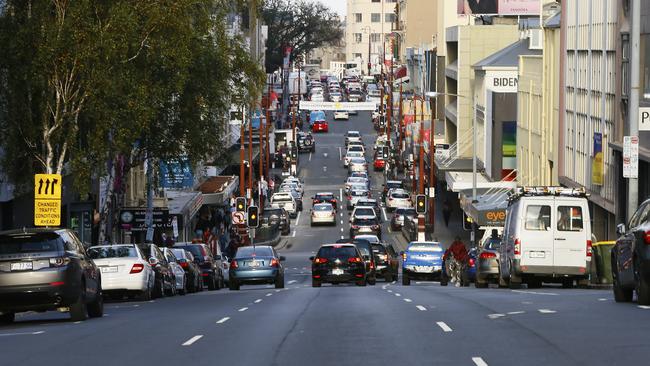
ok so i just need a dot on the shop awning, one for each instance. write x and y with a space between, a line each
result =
458 181
186 203
490 208
217 190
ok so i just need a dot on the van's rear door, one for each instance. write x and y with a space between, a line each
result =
536 235
572 231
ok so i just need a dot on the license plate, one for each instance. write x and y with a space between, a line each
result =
21 266
337 271
537 254
254 264
112 269
423 268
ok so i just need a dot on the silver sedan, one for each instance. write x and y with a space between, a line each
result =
323 213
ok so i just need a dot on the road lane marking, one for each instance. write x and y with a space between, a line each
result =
390 291
479 361
223 320
341 222
384 287
77 322
515 312
421 308
602 299
383 210
547 311
269 294
242 309
22 333
496 316
408 300
341 198
535 293
310 156
258 301
645 307
292 282
398 294
444 327
190 341
340 153
341 214
393 282
342 237
527 302
341 229
294 234
298 217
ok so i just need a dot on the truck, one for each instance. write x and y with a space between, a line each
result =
297 83
312 71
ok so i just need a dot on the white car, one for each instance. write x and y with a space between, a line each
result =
356 146
335 97
351 154
373 239
352 136
295 183
323 213
317 98
124 269
341 115
357 165
351 181
363 211
179 272
285 200
352 112
398 198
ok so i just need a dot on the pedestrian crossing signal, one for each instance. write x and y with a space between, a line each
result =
421 204
253 216
240 204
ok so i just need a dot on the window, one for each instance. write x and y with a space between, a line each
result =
645 65
538 217
376 1
375 37
569 218
639 216
389 17
358 17
375 17
356 55
357 37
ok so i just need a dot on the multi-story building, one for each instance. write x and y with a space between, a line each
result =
368 24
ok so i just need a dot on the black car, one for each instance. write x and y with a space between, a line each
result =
279 215
306 143
338 263
386 261
47 269
192 270
325 197
367 253
210 265
631 258
165 278
362 225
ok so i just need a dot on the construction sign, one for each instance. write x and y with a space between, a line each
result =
47 199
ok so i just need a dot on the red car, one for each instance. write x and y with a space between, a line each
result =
379 163
320 126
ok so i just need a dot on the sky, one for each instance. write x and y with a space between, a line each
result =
337 5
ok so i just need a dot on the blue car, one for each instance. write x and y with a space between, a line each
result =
468 276
256 265
422 260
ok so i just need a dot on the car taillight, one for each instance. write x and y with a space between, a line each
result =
58 283
59 261
137 268
647 237
589 252
233 264
472 262
487 255
383 257
355 227
390 198
372 264
355 260
517 247
320 260
349 197
184 264
275 262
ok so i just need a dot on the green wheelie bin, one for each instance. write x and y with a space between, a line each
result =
602 255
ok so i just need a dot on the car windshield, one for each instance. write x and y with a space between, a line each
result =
41 242
358 193
270 212
400 195
366 203
340 252
406 211
254 251
323 208
357 160
492 244
114 251
281 198
378 249
354 134
363 211
179 253
354 154
324 196
194 249
425 248
390 185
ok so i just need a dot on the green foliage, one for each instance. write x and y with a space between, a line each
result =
303 25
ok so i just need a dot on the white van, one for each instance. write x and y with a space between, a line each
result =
547 237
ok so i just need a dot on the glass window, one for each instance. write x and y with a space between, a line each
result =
357 37
376 1
425 248
364 222
358 17
364 211
645 65
640 216
258 251
569 218
375 37
112 252
49 242
538 217
323 207
340 252
389 17
375 17
356 55
180 253
379 249
194 249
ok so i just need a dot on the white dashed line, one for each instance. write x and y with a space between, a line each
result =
298 217
340 153
341 222
398 294
341 197
243 309
383 210
292 282
310 156
342 237
408 300
393 282
269 294
535 293
77 322
547 311
278 290
341 229
294 234
24 333
444 327
384 287
479 361
258 301
223 320
515 312
602 299
390 291
421 308
496 316
190 341
644 307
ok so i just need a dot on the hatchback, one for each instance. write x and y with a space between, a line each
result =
277 215
341 115
323 213
338 263
355 195
256 265
401 213
487 262
320 126
357 165
398 198
386 261
192 270
125 270
350 155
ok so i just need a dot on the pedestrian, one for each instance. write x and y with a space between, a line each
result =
456 260
446 212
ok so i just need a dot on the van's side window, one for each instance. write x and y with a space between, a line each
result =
569 218
538 217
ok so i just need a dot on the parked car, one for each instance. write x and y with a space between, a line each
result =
165 283
398 198
47 269
256 265
125 270
279 215
386 260
422 261
323 213
210 264
397 221
192 270
338 263
341 115
179 272
364 225
320 126
285 200
547 237
487 262
325 197
631 258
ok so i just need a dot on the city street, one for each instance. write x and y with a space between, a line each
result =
384 324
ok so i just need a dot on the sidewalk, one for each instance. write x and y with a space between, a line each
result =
445 235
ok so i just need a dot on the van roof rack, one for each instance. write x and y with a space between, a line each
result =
532 191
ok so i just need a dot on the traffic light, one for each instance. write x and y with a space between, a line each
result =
467 222
421 204
294 152
253 217
240 203
385 152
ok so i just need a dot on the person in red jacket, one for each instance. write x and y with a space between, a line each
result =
456 260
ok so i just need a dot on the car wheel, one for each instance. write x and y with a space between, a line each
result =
212 284
315 283
7 318
79 310
372 281
642 291
480 283
279 282
233 285
406 280
96 308
621 294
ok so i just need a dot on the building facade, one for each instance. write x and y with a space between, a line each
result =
368 26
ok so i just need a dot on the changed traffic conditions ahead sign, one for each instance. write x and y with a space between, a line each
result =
47 200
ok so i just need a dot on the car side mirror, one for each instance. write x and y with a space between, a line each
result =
153 261
311 258
283 258
620 229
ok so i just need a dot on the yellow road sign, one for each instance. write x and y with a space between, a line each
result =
47 212
47 186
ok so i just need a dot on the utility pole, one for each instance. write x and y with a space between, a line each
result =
421 174
266 145
633 183
250 157
432 167
400 127
261 157
242 172
415 120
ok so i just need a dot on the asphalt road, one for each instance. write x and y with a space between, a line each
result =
385 324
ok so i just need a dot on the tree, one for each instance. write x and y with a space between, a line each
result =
302 25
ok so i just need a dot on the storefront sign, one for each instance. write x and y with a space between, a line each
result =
597 163
644 119
494 218
134 219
